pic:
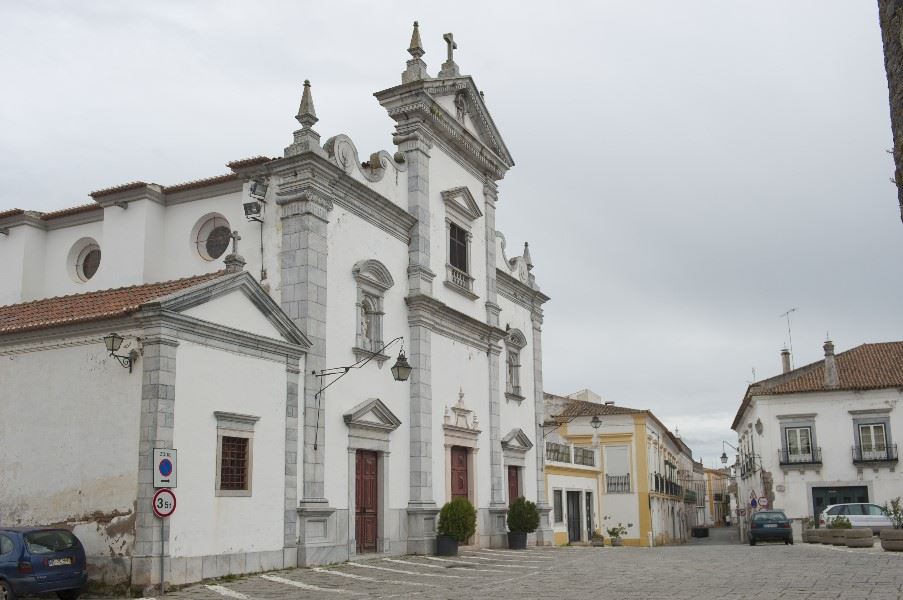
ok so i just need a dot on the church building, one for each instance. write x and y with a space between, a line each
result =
333 347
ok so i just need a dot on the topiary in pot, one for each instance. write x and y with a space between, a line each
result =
892 539
523 518
839 526
457 523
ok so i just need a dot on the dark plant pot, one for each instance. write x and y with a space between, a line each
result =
517 540
597 541
616 541
446 546
892 540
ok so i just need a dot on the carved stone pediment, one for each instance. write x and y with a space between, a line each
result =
516 441
372 414
460 203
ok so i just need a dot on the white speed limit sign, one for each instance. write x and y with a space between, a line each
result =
164 503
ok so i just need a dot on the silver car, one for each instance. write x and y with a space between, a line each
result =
861 515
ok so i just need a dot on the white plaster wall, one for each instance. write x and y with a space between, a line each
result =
210 380
13 263
133 239
457 366
446 174
351 240
834 433
57 280
69 424
237 311
569 483
393 185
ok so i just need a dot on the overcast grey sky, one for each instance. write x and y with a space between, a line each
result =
686 171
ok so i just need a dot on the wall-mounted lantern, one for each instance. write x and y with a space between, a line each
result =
113 342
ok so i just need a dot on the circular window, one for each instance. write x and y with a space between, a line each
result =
84 260
213 237
88 262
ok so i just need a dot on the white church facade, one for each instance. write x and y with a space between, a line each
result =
335 269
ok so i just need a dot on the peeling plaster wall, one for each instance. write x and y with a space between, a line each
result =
69 425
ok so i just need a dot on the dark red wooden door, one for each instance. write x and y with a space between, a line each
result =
366 519
458 472
513 484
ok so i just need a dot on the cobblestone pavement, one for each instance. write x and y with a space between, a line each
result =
696 571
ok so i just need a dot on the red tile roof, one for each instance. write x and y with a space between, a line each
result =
865 367
73 210
134 185
11 212
248 162
582 408
90 306
198 183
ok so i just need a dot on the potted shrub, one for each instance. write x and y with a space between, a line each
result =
523 518
892 539
616 532
809 532
598 539
839 526
457 522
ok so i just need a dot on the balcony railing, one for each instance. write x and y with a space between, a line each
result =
617 484
690 496
863 454
786 457
666 486
584 456
558 452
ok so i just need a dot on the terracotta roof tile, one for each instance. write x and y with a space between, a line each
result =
90 306
11 213
582 408
134 185
198 183
865 367
73 210
248 162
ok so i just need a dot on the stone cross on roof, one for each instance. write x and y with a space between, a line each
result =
449 68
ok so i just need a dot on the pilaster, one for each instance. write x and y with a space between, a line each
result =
158 396
490 195
290 521
415 146
304 213
544 533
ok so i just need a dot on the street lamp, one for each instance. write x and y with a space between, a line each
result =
596 422
401 370
113 342
724 453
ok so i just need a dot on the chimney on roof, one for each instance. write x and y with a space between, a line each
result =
609 403
831 378
785 360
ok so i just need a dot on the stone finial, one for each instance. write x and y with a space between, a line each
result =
832 379
234 262
416 67
307 116
416 48
527 258
449 67
306 139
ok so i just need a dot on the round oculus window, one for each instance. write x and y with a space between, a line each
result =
88 262
213 238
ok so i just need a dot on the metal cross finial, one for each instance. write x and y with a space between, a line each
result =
235 237
452 46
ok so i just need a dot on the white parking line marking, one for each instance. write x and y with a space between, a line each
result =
362 565
494 557
511 552
472 564
224 591
306 586
363 578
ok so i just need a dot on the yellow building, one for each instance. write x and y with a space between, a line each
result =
717 500
607 465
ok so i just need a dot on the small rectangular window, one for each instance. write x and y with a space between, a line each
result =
457 247
558 506
234 464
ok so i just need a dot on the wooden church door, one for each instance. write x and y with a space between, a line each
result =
366 517
459 487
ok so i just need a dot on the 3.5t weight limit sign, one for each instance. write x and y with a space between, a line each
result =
164 503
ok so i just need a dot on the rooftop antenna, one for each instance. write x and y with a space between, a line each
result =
789 334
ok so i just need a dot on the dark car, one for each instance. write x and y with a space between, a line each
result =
37 560
770 525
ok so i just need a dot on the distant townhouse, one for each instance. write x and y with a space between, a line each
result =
822 434
717 503
607 464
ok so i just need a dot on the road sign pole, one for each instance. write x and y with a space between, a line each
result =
162 555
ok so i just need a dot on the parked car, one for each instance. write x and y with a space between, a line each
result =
860 514
38 560
770 525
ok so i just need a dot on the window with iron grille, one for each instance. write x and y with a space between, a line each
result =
584 456
558 452
234 453
234 464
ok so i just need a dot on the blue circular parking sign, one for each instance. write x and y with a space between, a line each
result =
753 503
165 467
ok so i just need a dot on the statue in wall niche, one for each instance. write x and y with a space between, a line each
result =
460 105
365 327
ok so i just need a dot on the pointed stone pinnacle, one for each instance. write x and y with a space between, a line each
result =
527 258
416 48
307 116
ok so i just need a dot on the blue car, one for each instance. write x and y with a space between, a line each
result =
38 560
770 526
